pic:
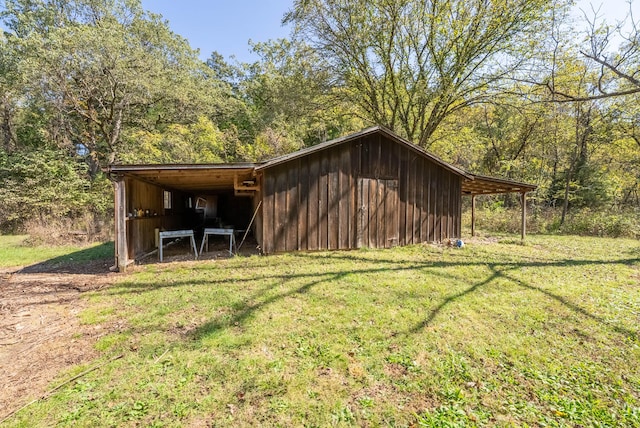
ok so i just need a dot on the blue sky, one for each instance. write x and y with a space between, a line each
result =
227 26
222 25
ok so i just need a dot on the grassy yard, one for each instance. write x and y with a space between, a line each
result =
497 334
15 251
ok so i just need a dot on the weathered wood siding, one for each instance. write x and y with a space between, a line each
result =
141 231
370 192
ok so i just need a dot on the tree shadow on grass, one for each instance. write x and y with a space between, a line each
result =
92 260
311 280
497 273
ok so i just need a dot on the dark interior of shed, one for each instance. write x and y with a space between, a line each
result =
221 209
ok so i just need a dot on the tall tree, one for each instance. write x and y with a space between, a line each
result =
100 66
615 51
408 64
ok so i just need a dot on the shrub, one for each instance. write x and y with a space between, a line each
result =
587 222
48 187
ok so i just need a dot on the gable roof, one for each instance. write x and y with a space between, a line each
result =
197 177
364 133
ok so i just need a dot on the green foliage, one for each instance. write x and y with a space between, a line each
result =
45 184
408 65
103 66
105 81
198 142
494 218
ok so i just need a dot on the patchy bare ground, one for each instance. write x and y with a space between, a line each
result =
40 332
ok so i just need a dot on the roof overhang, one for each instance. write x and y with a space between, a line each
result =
188 177
216 177
483 185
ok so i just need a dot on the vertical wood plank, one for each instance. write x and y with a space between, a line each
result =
373 213
345 199
314 204
379 157
432 203
292 210
381 214
417 185
473 215
363 230
408 190
334 199
437 208
303 203
323 211
268 212
280 209
356 148
391 214
424 201
365 157
446 208
402 185
459 196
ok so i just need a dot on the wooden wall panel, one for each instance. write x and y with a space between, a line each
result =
432 203
323 201
292 210
268 212
402 205
303 204
313 230
340 198
333 191
141 230
363 214
373 214
280 210
345 198
424 202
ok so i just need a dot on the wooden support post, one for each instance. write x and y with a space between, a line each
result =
523 232
122 256
473 215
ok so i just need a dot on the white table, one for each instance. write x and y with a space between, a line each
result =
220 232
177 234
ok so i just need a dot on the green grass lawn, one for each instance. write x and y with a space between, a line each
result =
16 252
502 334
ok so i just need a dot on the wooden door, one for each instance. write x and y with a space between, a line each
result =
377 213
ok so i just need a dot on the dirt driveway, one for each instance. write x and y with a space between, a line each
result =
40 331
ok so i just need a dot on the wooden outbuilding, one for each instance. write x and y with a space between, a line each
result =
369 189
